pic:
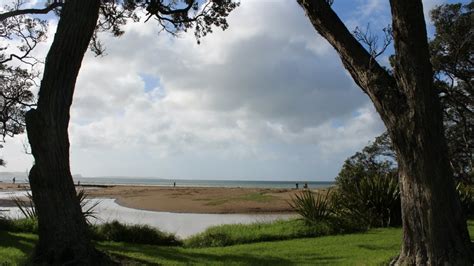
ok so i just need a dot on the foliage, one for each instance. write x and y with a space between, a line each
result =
25 225
88 207
113 231
466 196
233 234
17 69
312 209
451 56
325 208
376 159
367 188
26 207
143 234
374 201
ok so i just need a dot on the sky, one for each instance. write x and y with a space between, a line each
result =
267 99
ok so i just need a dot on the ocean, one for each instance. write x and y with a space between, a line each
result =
21 178
201 183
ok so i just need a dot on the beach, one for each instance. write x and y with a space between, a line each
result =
214 200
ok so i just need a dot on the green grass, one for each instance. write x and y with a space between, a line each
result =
140 234
232 234
371 248
374 247
24 225
110 231
15 247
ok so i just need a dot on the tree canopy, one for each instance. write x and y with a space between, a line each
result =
451 53
22 28
62 228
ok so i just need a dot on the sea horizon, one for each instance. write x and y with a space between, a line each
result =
201 182
151 181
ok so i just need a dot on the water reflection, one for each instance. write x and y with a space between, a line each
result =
182 224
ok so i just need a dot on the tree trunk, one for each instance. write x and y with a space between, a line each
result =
63 232
435 231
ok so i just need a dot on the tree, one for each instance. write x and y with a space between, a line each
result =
367 186
451 52
376 159
63 234
17 75
434 229
451 55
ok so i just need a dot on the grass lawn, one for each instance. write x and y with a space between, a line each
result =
15 247
371 248
233 234
374 247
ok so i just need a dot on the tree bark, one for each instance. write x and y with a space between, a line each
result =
435 231
63 232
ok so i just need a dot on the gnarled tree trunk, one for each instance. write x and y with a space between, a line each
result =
435 231
63 234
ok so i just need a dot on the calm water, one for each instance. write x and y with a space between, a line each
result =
183 182
202 183
182 224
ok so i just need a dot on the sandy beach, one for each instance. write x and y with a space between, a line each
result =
190 199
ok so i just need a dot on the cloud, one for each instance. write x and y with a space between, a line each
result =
267 98
258 92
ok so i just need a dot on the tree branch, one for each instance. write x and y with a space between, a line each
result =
168 11
411 48
372 78
19 12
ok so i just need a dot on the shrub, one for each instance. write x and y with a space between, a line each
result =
466 196
312 208
25 225
233 234
323 209
373 201
88 207
27 207
141 234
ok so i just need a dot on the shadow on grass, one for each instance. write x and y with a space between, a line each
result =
379 247
21 243
157 255
187 256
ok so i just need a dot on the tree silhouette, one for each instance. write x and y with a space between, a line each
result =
434 229
63 233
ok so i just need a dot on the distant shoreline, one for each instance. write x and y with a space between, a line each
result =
138 181
213 200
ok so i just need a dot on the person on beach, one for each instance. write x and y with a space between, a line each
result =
305 186
296 185
14 179
174 184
